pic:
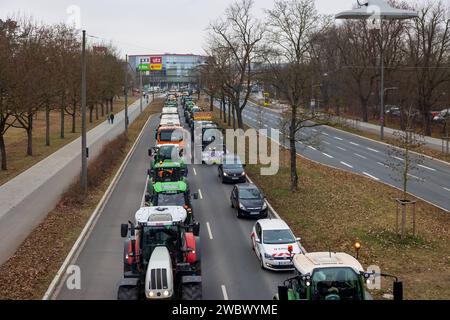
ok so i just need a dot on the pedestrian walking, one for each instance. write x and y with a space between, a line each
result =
112 118
109 118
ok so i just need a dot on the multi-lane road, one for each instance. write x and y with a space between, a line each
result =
431 182
230 269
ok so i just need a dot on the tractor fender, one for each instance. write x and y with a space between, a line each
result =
198 249
190 242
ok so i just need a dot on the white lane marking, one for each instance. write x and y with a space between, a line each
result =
314 130
327 155
371 176
346 164
208 226
446 189
200 195
358 155
355 144
382 164
195 171
340 139
325 134
425 167
341 148
415 177
311 147
400 159
224 292
326 142
373 150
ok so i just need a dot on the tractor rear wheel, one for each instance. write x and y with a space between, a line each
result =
128 293
192 291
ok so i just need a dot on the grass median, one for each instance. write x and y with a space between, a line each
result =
333 208
28 273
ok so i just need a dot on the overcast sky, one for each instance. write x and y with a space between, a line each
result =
143 27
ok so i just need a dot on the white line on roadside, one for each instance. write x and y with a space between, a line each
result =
382 164
195 171
371 176
400 159
425 167
224 292
446 189
200 195
311 147
340 139
415 177
346 164
358 155
327 155
325 134
314 130
355 144
373 150
341 148
208 226
326 142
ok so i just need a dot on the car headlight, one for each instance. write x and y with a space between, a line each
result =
264 205
225 174
268 256
242 207
243 173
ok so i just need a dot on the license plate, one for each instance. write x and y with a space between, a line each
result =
254 213
285 263
234 178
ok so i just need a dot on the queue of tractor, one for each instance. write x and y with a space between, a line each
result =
161 254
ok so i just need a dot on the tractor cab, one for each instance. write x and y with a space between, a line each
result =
167 152
171 194
167 171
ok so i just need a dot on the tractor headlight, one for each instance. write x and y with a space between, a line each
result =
166 293
151 294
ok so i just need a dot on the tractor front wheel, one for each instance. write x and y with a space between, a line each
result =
192 291
128 293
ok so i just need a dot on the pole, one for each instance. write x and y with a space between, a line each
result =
381 83
140 87
84 177
126 94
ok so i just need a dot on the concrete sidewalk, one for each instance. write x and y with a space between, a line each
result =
26 200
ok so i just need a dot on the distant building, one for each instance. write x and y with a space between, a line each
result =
176 69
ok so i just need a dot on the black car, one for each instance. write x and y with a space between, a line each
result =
232 170
249 201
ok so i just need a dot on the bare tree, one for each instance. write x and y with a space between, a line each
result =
240 33
293 25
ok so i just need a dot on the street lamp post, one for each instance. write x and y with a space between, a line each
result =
378 9
126 94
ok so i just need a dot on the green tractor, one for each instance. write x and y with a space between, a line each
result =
169 153
330 276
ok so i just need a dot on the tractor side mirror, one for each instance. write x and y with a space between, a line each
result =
398 291
148 198
195 196
196 229
123 230
282 293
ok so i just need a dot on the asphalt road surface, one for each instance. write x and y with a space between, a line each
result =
349 152
230 269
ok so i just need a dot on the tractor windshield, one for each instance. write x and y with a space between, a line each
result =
336 284
171 199
157 236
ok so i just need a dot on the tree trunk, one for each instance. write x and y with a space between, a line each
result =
221 105
91 113
112 104
234 117
3 153
96 112
102 105
74 120
364 111
293 151
229 112
47 125
29 130
211 103
61 129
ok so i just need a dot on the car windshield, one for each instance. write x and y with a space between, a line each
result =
336 284
171 199
171 135
249 194
278 237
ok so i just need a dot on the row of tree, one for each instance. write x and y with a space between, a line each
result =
302 56
40 72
